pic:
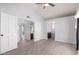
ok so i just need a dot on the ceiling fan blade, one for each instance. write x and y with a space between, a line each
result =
44 7
51 4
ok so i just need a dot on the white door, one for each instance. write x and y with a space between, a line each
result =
8 38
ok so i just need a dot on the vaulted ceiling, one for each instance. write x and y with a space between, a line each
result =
60 9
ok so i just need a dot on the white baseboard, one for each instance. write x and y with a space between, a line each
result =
66 42
39 40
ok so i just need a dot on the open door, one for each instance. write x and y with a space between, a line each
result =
8 33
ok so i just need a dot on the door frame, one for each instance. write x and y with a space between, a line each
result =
77 38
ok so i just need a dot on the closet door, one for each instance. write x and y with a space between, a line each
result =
4 33
8 32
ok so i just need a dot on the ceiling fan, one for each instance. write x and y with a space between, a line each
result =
46 5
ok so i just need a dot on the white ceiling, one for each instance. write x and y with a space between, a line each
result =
60 9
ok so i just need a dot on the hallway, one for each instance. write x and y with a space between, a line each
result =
43 47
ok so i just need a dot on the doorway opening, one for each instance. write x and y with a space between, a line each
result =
51 31
32 31
26 32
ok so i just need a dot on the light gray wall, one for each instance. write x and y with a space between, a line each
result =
40 31
65 29
49 25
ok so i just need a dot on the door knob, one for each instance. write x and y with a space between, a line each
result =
1 35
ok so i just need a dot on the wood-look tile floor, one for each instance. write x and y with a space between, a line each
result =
43 47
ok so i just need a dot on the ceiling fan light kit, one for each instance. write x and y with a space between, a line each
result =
46 4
